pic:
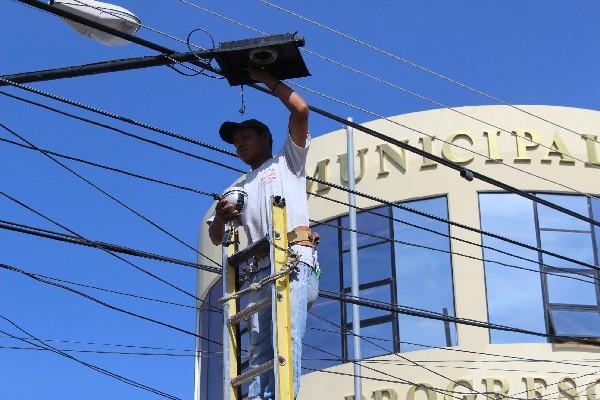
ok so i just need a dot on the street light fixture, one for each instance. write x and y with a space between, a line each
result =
103 13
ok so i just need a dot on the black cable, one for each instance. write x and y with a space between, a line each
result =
99 246
446 235
128 346
478 353
104 304
123 132
103 371
499 237
203 60
120 353
457 224
121 293
416 364
113 169
330 184
536 262
110 196
464 172
591 279
48 234
417 312
116 116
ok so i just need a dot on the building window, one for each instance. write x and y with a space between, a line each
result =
557 297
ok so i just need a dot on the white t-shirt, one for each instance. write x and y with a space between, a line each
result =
282 175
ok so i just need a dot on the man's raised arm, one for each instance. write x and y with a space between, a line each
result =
298 124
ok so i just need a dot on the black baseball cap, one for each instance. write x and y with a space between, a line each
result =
227 128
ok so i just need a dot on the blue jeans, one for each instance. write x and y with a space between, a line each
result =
304 288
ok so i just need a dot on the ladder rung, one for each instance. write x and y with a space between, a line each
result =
252 373
248 311
258 247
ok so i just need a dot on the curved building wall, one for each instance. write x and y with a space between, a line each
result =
547 296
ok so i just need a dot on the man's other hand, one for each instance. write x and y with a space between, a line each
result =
226 211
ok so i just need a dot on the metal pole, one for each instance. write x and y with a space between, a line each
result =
102 67
353 261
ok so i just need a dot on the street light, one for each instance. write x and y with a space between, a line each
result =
103 13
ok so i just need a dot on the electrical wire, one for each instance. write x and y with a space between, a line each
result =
100 247
121 293
590 279
189 189
417 364
114 116
417 312
114 169
509 358
430 100
466 173
119 353
105 304
93 367
446 235
110 196
127 346
417 66
128 134
332 185
48 234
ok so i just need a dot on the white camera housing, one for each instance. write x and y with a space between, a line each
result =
236 196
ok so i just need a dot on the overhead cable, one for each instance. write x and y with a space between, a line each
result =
99 246
127 294
217 270
343 188
110 196
416 94
466 173
105 304
121 131
49 234
93 367
417 66
590 279
127 346
416 312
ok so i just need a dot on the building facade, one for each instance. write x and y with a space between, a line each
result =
414 252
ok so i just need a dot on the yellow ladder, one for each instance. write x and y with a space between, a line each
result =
276 244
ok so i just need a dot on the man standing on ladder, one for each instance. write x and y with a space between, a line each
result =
281 175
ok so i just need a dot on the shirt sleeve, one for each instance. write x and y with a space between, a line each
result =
295 156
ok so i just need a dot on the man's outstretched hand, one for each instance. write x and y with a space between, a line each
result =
225 211
262 75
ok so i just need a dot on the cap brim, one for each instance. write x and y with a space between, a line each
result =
227 129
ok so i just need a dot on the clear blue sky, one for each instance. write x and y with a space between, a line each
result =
534 52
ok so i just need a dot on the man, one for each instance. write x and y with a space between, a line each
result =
281 175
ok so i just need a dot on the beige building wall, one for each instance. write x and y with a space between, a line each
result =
390 173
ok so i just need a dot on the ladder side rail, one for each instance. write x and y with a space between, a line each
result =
231 336
282 339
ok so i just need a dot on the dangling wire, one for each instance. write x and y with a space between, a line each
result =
194 51
242 109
